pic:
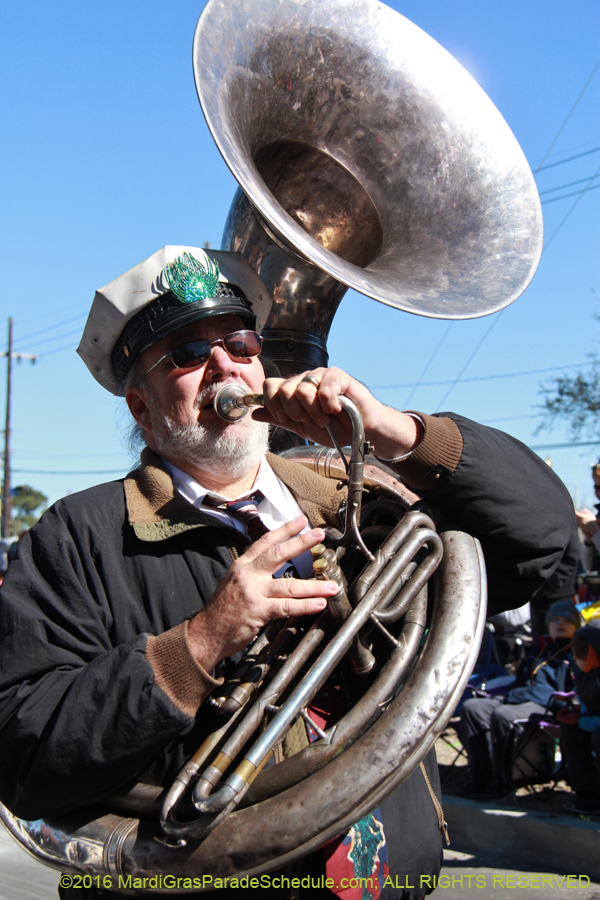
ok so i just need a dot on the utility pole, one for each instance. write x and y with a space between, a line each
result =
6 493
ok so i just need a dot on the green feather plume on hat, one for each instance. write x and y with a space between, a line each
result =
190 280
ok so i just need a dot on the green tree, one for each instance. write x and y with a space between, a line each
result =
28 505
574 399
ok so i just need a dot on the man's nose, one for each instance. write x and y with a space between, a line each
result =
220 365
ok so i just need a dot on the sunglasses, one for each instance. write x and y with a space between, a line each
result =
239 345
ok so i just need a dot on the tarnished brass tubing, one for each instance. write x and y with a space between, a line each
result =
384 581
354 723
188 772
256 669
361 658
304 650
253 655
242 693
423 572
302 694
232 403
394 544
250 722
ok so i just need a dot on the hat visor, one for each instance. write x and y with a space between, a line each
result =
182 315
195 312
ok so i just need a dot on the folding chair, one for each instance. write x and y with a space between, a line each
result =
532 747
455 744
490 681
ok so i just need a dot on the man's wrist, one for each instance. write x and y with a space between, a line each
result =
414 442
396 435
202 643
177 671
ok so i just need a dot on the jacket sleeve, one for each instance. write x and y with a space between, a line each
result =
79 716
587 557
589 691
547 681
489 484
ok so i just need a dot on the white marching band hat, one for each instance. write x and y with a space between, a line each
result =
174 286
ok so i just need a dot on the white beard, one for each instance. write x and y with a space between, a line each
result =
226 450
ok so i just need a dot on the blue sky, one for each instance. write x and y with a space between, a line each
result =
106 158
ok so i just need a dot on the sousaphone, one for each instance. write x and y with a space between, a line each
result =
366 158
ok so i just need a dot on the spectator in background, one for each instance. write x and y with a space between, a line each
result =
3 560
7 551
486 722
589 524
580 732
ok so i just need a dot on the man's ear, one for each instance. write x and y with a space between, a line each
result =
136 401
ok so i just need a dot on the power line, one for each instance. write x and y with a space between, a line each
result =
51 328
563 446
571 111
95 472
383 387
594 187
60 349
57 337
470 359
431 358
562 186
584 191
568 159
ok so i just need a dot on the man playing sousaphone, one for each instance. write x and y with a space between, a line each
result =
128 601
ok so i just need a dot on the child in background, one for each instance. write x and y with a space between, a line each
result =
486 722
581 738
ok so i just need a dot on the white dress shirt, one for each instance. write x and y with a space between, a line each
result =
278 507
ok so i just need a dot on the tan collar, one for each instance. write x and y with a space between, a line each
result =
318 497
157 511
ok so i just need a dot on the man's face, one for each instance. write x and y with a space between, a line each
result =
596 478
559 627
185 395
175 406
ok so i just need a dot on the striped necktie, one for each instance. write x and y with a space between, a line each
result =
245 510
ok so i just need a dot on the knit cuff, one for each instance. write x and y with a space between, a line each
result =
435 457
176 671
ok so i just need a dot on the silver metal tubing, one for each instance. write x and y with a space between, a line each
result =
250 723
232 403
310 684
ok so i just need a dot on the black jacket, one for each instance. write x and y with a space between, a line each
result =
80 710
546 669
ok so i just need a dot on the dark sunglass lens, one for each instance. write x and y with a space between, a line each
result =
243 343
190 355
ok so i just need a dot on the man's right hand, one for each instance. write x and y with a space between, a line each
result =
248 597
